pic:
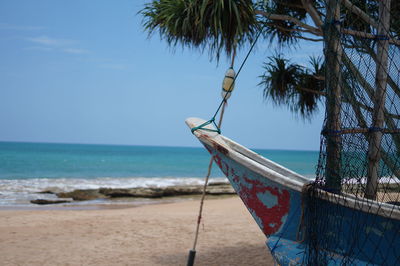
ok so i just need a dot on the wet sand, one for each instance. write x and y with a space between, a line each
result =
159 234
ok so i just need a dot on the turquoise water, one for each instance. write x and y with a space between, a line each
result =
26 168
38 160
44 160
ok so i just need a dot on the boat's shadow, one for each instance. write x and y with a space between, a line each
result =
242 254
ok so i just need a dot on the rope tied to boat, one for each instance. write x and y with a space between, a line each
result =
227 92
192 252
230 78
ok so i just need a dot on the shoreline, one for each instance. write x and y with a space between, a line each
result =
156 234
80 198
116 203
17 192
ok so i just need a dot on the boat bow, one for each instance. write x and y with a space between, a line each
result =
271 192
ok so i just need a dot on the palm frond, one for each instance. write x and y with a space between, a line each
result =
218 25
292 85
284 31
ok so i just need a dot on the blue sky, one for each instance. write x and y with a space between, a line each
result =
85 72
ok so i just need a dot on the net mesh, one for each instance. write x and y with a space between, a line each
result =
353 206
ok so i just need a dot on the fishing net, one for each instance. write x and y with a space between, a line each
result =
352 214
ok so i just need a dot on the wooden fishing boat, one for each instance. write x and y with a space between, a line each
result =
279 202
350 213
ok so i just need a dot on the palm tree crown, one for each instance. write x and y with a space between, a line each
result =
222 25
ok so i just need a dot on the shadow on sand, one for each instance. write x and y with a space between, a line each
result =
233 255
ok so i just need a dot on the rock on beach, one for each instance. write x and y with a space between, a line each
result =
217 188
45 201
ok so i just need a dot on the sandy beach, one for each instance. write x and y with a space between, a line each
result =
159 234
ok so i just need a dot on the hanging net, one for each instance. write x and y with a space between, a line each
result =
352 214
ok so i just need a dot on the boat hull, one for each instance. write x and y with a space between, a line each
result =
355 231
276 209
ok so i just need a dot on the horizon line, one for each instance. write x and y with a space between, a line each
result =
141 145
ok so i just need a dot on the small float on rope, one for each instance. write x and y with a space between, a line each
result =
228 84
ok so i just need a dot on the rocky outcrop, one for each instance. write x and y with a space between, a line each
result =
82 194
132 192
212 184
220 189
216 188
50 190
45 201
171 191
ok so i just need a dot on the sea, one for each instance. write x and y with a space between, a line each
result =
29 168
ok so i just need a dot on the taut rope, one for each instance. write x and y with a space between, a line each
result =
221 108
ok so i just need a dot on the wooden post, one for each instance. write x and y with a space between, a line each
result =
333 54
378 119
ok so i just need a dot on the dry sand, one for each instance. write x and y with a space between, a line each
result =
159 234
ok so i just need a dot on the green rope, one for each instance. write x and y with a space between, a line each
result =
212 120
202 126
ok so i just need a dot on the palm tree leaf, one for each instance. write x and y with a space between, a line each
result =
219 25
284 84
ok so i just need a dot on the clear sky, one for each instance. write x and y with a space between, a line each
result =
85 72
